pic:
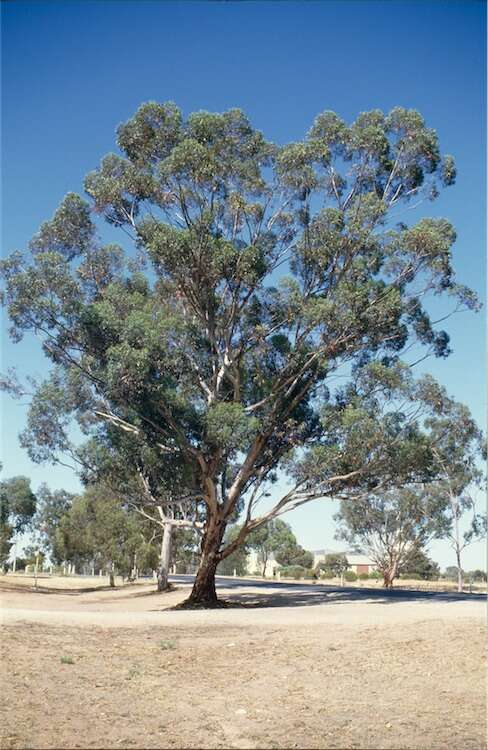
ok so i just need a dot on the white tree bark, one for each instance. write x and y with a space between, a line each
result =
164 560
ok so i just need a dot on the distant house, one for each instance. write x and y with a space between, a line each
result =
254 565
358 562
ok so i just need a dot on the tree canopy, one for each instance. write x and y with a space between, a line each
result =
52 506
393 528
273 538
97 529
334 564
248 277
17 508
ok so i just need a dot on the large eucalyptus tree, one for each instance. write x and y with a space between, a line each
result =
249 277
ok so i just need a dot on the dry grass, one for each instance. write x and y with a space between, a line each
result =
302 672
44 580
416 686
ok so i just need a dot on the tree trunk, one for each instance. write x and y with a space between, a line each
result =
389 574
163 570
111 575
460 581
36 568
203 593
133 573
387 581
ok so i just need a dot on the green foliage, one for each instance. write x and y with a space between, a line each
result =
69 233
333 565
230 427
477 575
17 508
167 645
420 564
51 507
33 554
17 502
350 576
274 537
237 560
393 528
183 551
67 660
325 572
294 555
460 445
194 346
363 576
97 529
451 573
292 571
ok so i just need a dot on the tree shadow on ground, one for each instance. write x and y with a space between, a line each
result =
65 591
313 597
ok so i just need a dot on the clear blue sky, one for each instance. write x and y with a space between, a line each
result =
73 71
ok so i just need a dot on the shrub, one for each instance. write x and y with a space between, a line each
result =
375 575
411 577
477 575
326 573
310 573
292 571
167 645
363 576
350 576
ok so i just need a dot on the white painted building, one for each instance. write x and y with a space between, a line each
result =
255 566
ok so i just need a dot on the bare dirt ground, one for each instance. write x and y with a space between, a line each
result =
117 669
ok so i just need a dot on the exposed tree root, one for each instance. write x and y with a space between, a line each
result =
210 604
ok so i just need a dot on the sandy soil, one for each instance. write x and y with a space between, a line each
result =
44 580
116 669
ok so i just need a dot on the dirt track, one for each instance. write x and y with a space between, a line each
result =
326 675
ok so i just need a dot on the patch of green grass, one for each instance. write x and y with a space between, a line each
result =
167 645
67 660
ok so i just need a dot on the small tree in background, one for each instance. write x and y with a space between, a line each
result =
392 528
477 575
419 564
459 506
151 483
451 573
17 509
97 529
52 505
237 561
273 538
336 563
459 448
294 555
